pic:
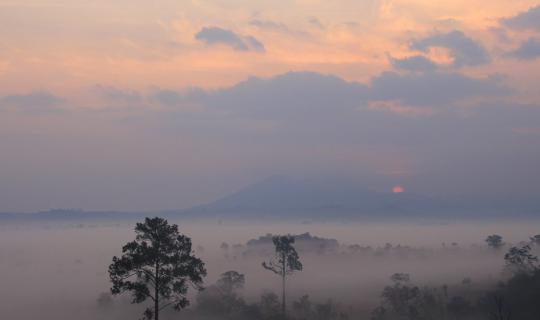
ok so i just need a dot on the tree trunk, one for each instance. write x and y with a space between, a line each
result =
156 292
156 306
284 273
283 297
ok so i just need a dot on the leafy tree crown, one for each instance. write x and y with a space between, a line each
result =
286 260
520 260
495 241
158 265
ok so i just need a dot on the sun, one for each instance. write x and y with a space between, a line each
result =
398 189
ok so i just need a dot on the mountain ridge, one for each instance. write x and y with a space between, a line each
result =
282 197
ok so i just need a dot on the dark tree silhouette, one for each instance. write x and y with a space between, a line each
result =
495 241
159 265
535 240
400 297
400 278
231 281
302 308
459 307
269 306
222 298
520 260
285 262
499 310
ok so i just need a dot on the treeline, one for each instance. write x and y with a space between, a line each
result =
515 297
159 268
306 243
223 300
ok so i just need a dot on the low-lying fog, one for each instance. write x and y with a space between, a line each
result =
59 270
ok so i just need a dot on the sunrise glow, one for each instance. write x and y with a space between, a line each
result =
261 127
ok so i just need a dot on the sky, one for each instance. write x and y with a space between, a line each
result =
138 105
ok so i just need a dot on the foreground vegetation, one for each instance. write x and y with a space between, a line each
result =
160 266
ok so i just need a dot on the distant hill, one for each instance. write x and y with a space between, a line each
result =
281 196
71 215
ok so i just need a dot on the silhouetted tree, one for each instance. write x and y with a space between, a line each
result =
535 240
459 307
517 298
231 281
499 310
405 301
302 308
495 241
520 260
400 297
222 298
379 313
400 278
285 262
158 265
225 248
269 306
328 311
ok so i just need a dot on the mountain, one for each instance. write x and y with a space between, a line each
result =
281 196
71 215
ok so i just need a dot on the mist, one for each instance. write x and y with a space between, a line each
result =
58 269
270 160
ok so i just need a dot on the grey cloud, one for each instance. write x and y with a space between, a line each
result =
301 123
501 34
168 97
254 44
171 98
313 92
269 25
433 88
117 95
32 102
528 50
464 50
414 63
295 94
216 35
316 22
307 94
323 112
529 19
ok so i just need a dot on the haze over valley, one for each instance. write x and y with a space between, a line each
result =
270 160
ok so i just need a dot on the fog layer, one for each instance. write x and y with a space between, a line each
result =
59 271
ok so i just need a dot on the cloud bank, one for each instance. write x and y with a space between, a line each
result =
464 50
529 19
528 50
296 123
36 102
216 35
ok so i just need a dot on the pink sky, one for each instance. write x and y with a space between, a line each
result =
138 105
